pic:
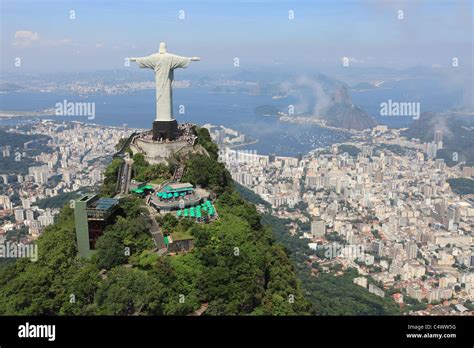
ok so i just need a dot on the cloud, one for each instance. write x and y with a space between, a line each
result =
99 45
354 60
314 102
25 38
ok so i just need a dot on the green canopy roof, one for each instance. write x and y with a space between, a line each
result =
169 188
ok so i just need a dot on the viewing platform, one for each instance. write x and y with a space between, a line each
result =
174 197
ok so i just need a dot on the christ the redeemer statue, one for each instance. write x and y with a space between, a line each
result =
163 63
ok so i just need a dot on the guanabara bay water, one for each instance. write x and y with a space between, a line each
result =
201 105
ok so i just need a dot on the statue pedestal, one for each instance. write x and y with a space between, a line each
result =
165 130
159 151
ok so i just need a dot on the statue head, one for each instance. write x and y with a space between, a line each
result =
162 47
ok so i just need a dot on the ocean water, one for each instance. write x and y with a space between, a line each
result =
201 105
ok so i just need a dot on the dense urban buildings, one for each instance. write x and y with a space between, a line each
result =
76 157
389 205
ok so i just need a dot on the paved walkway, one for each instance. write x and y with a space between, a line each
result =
155 231
199 311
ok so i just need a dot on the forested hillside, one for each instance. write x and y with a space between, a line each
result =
236 267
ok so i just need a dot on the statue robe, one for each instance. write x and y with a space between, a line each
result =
164 64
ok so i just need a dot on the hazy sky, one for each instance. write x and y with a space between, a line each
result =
258 32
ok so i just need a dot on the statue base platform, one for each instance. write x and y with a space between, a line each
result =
163 130
162 149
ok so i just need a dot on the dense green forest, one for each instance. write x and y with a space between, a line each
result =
396 149
236 267
462 186
351 150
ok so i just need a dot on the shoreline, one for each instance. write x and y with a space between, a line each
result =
317 122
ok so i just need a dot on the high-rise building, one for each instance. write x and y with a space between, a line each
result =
30 216
467 172
318 228
411 249
438 139
19 214
5 203
6 151
377 247
25 203
431 150
454 213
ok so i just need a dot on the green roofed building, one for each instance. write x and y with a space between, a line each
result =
178 188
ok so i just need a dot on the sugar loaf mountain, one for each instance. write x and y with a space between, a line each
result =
318 97
342 113
166 234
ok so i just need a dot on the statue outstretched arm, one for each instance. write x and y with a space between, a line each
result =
144 62
195 59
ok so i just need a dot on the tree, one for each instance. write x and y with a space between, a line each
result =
204 139
208 173
145 172
110 251
110 178
128 291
